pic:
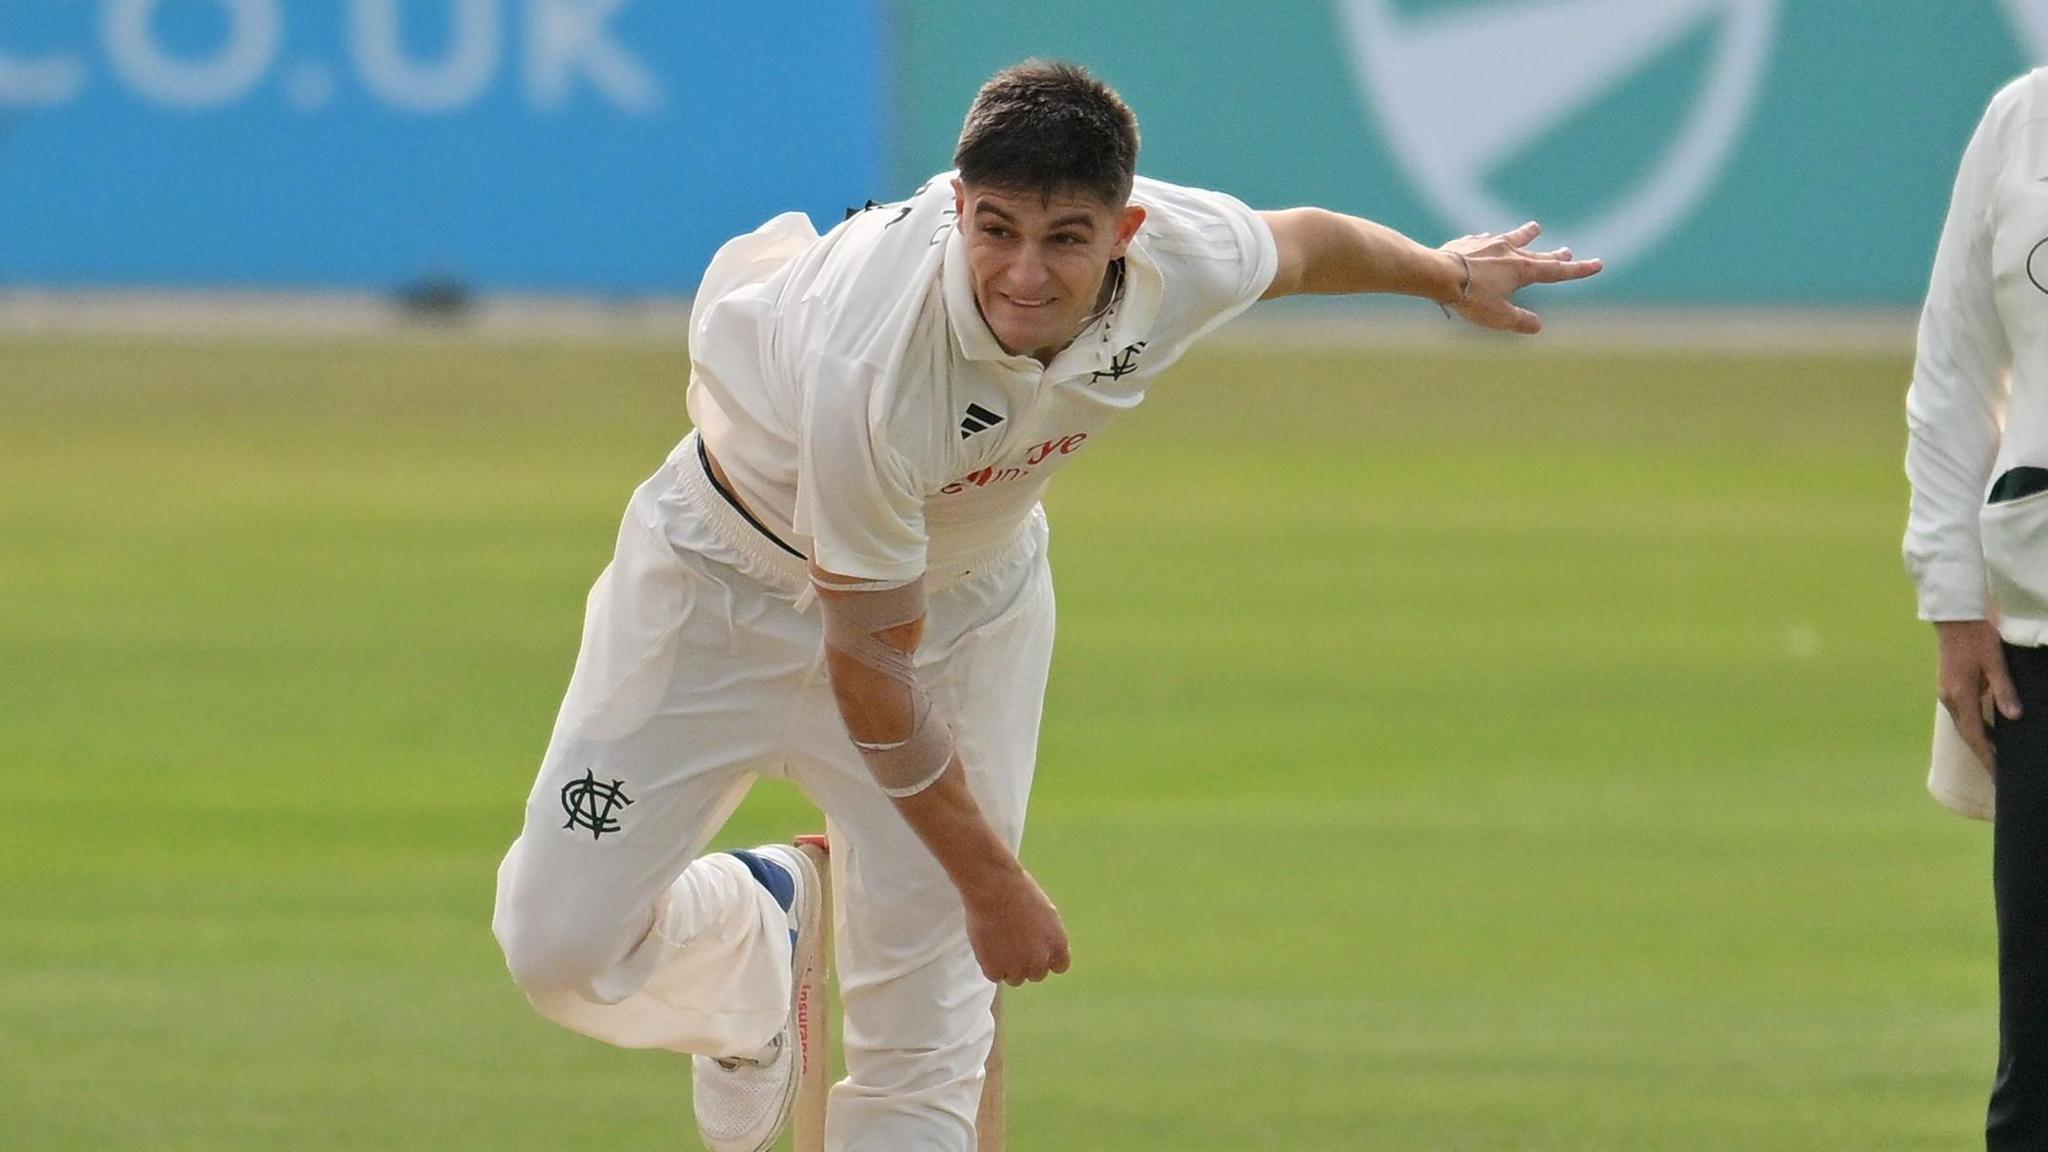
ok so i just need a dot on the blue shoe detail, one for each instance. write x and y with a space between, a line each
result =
772 876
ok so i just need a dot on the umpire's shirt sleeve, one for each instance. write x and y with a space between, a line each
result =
1960 382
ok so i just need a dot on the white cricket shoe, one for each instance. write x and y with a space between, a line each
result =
744 1102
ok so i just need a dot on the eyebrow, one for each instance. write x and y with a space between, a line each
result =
1070 220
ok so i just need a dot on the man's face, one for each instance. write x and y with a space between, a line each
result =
1038 263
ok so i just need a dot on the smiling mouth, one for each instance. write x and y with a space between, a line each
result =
1015 302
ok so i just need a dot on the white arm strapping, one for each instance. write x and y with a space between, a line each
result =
853 628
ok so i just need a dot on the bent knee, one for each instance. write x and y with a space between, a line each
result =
551 941
542 959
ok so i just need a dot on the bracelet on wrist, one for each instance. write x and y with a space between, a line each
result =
1464 288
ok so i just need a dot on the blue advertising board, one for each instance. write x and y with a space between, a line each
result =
601 146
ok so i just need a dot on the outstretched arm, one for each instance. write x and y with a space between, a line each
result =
1328 253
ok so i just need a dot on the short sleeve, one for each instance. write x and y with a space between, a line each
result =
857 498
1219 254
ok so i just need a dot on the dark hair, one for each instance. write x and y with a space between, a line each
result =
1049 127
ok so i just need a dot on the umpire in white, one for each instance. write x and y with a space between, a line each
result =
1977 546
840 578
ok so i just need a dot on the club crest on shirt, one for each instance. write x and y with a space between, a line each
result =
1121 365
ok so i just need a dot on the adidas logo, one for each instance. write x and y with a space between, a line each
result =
978 419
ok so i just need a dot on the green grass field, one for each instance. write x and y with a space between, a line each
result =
1493 749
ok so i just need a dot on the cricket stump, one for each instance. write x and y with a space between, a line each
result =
814 1034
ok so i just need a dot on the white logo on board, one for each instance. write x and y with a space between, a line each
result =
1462 93
2030 20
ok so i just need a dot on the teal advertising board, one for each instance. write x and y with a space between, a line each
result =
1746 152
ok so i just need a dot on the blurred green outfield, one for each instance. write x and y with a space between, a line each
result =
1489 749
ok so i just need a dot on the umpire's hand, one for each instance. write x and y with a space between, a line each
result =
1973 682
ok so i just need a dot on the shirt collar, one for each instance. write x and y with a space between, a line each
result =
1128 321
970 331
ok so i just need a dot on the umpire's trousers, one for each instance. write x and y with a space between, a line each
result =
2018 1119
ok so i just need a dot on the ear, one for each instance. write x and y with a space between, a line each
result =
959 204
1127 224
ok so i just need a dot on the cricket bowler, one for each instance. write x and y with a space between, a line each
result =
840 578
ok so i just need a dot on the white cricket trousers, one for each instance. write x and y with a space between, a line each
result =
701 670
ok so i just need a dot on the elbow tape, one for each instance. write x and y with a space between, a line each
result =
853 628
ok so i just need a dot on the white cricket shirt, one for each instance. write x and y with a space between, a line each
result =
1978 405
865 413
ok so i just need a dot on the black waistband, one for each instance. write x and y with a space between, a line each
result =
704 458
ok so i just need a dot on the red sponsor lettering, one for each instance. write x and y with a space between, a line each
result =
1039 454
1064 445
803 1024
